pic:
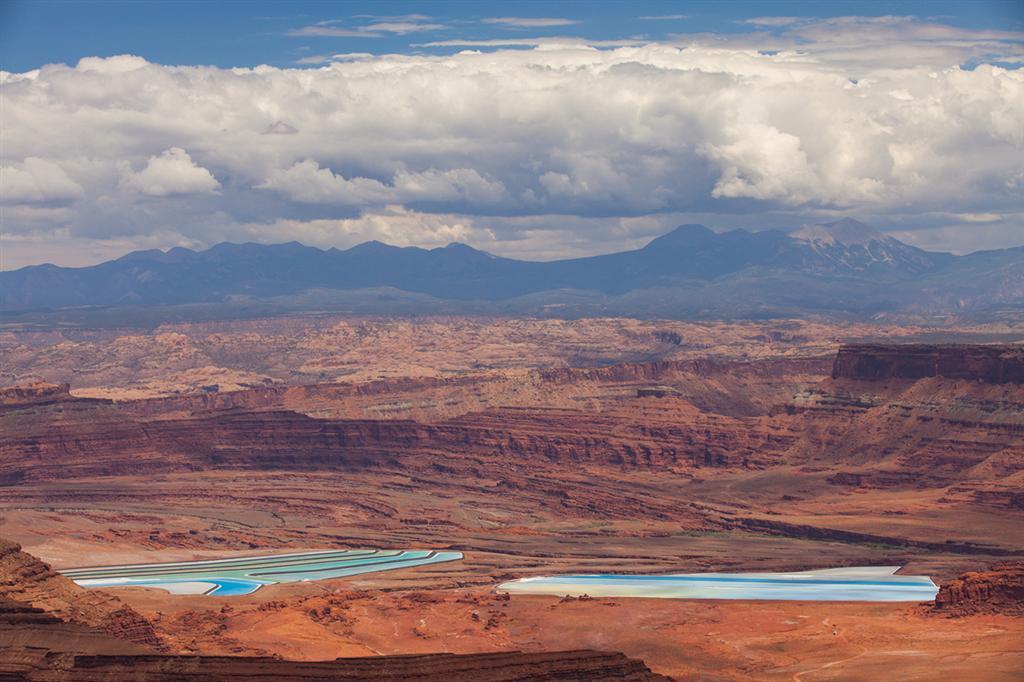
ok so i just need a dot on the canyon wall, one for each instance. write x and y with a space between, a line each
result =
1000 589
75 443
872 420
917 416
995 364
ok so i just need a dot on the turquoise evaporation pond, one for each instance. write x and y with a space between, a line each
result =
245 575
866 583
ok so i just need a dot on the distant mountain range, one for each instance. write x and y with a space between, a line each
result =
843 268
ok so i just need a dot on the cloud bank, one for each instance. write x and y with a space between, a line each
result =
556 150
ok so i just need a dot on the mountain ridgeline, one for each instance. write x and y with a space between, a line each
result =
843 268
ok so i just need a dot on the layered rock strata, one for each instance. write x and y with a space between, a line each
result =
493 667
75 443
998 590
26 579
995 364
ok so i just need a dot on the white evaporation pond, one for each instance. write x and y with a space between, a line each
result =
859 583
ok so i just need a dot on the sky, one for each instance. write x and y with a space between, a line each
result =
534 130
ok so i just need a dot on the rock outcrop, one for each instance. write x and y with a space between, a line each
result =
35 393
994 364
28 633
999 590
488 667
26 579
916 416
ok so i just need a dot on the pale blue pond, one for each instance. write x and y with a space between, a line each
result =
244 575
861 583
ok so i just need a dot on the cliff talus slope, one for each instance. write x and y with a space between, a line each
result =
26 579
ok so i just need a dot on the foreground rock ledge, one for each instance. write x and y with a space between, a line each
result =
564 665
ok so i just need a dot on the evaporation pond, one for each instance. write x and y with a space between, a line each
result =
862 583
245 575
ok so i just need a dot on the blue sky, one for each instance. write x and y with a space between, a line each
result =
527 129
227 34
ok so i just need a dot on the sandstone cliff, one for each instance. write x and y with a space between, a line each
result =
997 590
104 441
995 364
917 416
35 393
26 579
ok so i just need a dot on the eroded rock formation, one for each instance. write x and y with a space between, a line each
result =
998 590
873 421
35 393
916 416
76 442
26 579
995 364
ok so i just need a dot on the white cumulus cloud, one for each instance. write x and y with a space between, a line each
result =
172 173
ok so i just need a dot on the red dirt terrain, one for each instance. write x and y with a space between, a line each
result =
622 446
50 629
